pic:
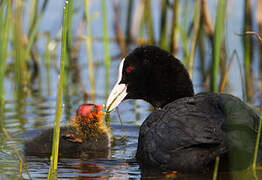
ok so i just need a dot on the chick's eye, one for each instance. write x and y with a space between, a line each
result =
129 69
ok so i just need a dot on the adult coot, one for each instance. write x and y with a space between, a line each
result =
187 131
85 133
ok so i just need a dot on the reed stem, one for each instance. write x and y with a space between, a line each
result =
128 21
89 50
33 15
248 49
69 31
106 49
257 141
21 69
225 76
163 26
108 119
47 62
55 147
173 39
121 122
33 30
195 36
149 20
219 32
215 172
22 163
219 28
4 36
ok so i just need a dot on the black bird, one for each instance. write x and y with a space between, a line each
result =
187 131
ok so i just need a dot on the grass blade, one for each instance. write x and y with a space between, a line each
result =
89 50
173 39
224 79
257 141
33 15
4 36
149 20
163 26
216 168
106 48
219 31
195 36
22 164
128 21
55 147
21 69
248 48
33 30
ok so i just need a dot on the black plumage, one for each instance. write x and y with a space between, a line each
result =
187 131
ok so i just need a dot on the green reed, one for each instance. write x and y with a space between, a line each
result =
259 22
195 36
19 42
225 76
247 45
182 30
89 50
106 49
69 29
163 26
33 29
149 21
4 35
128 20
218 39
121 122
174 29
68 62
260 121
257 140
202 52
218 36
141 33
22 163
215 172
55 147
33 14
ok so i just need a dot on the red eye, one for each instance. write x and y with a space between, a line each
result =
129 69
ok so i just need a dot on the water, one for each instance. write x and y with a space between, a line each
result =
27 113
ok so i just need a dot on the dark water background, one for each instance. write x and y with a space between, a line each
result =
27 114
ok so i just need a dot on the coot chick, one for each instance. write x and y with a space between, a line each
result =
187 131
86 133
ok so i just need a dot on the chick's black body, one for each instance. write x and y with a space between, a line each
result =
70 143
86 133
187 131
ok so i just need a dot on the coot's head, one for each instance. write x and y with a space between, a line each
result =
151 74
87 116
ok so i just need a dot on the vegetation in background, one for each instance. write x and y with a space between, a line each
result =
248 48
196 22
55 147
218 38
4 35
163 24
106 49
89 50
19 156
178 29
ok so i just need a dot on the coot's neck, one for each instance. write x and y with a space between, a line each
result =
170 81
